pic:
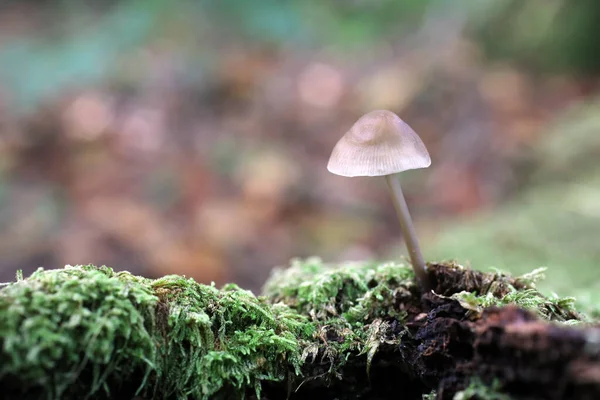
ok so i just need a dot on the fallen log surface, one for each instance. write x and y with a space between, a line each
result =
350 331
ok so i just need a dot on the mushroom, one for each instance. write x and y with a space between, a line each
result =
381 144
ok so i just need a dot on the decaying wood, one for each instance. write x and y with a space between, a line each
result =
443 347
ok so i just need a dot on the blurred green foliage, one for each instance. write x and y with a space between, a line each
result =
320 22
555 222
89 44
547 36
78 50
83 43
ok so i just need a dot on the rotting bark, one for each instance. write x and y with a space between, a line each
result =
444 347
528 357
367 333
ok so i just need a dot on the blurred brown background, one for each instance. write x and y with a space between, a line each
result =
192 137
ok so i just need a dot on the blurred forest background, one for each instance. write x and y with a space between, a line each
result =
192 137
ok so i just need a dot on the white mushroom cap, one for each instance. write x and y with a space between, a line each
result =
378 144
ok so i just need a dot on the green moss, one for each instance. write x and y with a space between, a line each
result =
355 304
225 341
358 292
477 390
76 330
85 331
552 308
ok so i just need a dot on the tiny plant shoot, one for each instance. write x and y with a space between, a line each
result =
381 144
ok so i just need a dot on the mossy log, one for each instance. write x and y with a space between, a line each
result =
351 331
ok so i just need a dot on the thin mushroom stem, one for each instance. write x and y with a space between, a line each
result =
408 230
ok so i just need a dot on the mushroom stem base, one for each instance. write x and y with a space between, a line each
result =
408 231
